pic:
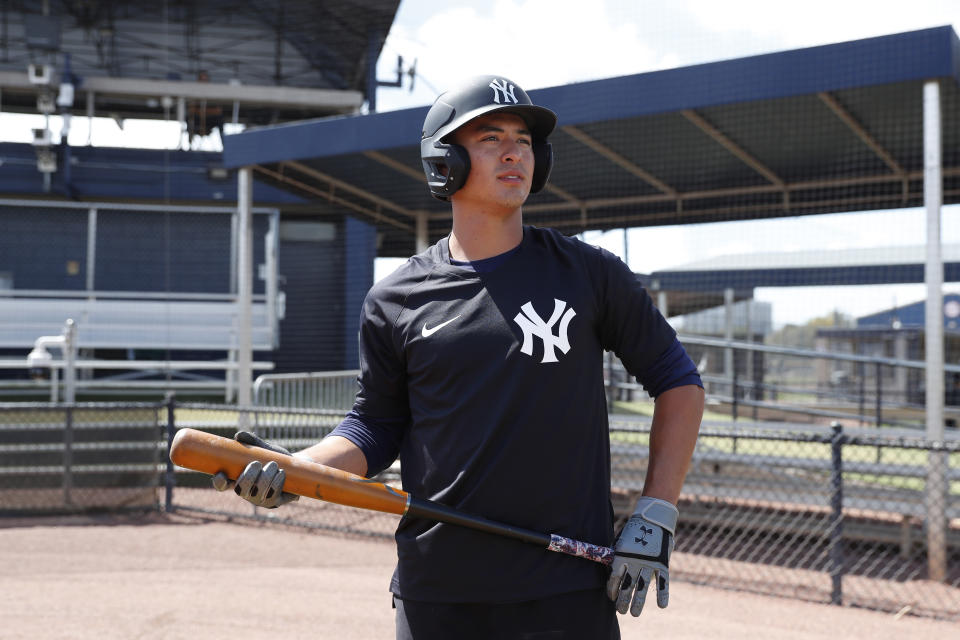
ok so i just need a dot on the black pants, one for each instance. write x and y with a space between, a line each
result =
580 615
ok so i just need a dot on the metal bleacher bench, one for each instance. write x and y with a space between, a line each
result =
137 322
177 324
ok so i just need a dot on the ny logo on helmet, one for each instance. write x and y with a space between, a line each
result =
533 325
504 88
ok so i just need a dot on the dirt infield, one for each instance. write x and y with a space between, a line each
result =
159 576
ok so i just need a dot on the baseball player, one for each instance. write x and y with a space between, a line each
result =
481 368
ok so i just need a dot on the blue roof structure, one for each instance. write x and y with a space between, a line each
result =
158 49
668 147
913 316
104 173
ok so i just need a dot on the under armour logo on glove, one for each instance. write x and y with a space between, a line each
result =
643 538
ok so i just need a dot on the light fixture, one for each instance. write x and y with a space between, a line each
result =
39 357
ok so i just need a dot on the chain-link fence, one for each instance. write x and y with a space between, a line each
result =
849 515
78 458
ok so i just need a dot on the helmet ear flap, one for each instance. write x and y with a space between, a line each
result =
455 161
542 165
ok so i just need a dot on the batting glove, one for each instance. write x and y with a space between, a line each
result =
642 552
259 484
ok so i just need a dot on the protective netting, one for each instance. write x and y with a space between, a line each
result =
80 459
780 226
773 208
829 515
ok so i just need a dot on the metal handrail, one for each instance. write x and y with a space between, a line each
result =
809 353
122 295
316 388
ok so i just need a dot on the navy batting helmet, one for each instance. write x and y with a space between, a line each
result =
481 95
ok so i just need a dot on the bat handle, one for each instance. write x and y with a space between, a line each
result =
603 555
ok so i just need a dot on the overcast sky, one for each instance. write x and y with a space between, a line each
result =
540 43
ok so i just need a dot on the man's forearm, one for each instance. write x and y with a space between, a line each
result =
673 436
339 453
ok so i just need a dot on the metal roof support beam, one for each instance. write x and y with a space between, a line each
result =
670 215
330 197
349 188
395 165
858 129
721 214
854 125
334 99
563 194
711 193
569 202
732 147
422 217
614 157
419 177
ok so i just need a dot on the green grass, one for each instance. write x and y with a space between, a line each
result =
801 450
229 419
641 408
27 417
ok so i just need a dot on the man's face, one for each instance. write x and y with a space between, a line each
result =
501 162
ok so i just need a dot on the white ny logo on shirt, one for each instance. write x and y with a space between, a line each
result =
533 325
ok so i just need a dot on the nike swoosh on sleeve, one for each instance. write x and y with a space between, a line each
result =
426 332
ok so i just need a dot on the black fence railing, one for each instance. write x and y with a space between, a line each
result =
752 380
853 516
79 457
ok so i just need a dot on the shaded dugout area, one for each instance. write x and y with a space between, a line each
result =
139 245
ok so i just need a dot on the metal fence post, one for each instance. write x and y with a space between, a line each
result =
733 390
170 479
863 392
68 454
879 394
836 514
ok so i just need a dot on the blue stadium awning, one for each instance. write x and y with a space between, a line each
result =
822 129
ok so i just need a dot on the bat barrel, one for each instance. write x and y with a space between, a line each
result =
210 454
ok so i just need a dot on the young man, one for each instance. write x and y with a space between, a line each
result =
481 367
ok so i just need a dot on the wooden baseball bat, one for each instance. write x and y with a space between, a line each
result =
210 454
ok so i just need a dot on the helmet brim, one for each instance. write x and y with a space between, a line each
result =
540 120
